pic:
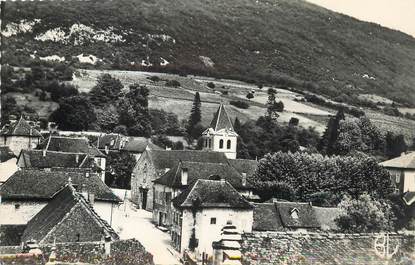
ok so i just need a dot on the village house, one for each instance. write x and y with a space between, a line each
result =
7 163
20 135
184 174
75 145
26 192
114 142
154 163
202 210
402 172
293 216
220 136
68 217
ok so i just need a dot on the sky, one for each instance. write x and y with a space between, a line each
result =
395 14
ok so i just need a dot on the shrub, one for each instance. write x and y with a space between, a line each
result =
249 95
239 104
211 85
154 78
173 83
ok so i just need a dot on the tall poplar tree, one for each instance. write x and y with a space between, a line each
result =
328 141
195 116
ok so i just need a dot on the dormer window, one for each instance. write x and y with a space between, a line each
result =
294 213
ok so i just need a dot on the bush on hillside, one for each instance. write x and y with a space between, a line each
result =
239 104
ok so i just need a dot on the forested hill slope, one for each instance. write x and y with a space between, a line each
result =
285 42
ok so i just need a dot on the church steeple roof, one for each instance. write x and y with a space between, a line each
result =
221 120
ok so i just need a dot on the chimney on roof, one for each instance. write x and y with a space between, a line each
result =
77 158
168 148
243 179
84 192
184 176
87 174
44 152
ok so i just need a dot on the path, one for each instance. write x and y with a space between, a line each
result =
136 223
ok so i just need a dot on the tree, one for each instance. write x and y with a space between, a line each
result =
107 90
195 117
107 118
58 91
237 125
250 95
120 165
349 138
365 215
293 121
395 145
312 173
134 113
163 122
75 113
163 141
211 85
328 141
276 190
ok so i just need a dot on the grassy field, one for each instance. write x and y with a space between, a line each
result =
283 43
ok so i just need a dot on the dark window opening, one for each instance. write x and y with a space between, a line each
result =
228 144
221 143
213 221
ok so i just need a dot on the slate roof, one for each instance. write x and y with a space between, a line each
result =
276 216
20 128
244 166
10 235
70 145
52 159
56 211
6 154
221 120
404 161
41 185
202 170
169 158
211 194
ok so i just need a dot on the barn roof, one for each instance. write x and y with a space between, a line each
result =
52 159
57 210
41 185
70 145
404 161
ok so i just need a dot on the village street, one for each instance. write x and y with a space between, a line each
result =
136 223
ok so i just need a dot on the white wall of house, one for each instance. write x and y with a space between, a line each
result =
17 143
216 146
18 212
206 232
7 169
101 162
103 209
409 180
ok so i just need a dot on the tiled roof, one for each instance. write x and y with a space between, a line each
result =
277 216
10 235
139 145
244 166
306 215
56 211
112 140
266 218
169 158
211 194
6 154
20 128
221 120
202 170
52 159
403 161
326 217
70 145
41 185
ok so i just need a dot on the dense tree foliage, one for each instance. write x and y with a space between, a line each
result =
107 90
329 177
134 113
75 113
365 215
329 138
164 142
395 145
163 122
120 166
266 136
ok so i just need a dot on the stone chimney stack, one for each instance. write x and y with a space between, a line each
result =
184 176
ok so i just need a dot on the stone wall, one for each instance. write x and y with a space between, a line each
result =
268 248
142 178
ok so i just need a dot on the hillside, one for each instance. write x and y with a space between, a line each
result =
281 42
